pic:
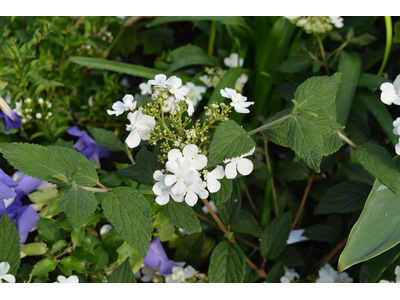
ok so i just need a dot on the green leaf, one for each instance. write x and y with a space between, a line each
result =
274 237
363 40
380 112
377 265
49 231
191 249
228 80
106 139
317 92
376 160
227 264
119 67
224 192
182 216
129 213
44 266
245 222
231 208
229 141
322 233
74 263
275 273
54 164
9 244
296 64
122 274
345 197
189 55
376 230
78 204
291 258
350 68
291 171
142 171
371 81
306 141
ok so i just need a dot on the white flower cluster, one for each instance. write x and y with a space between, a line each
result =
391 95
327 274
189 92
317 24
183 181
140 125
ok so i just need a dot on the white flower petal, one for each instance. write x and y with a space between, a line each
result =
133 139
230 170
245 166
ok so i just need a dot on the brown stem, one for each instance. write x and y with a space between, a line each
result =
303 201
68 250
333 252
214 215
253 206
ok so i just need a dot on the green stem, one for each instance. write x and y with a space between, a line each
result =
347 140
96 190
389 34
211 41
128 152
266 126
325 63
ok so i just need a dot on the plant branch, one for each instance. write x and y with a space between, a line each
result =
214 215
347 140
268 125
303 201
274 197
253 206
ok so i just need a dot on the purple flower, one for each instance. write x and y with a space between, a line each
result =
10 117
24 217
157 258
87 146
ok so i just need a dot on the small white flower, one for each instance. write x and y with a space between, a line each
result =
290 275
70 279
145 88
38 116
228 93
206 80
174 85
48 105
148 274
327 274
49 114
239 102
190 109
195 190
337 21
396 125
170 105
296 236
195 92
140 128
28 100
4 268
105 229
162 191
242 79
233 61
291 17
191 152
391 92
182 175
41 101
119 107
243 165
213 185
179 274
159 81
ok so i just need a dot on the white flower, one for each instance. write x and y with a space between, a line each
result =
291 17
140 128
38 116
396 125
40 101
190 109
242 79
145 88
191 152
391 92
327 274
148 274
119 107
179 274
233 61
397 272
195 190
159 81
206 80
195 92
296 236
337 21
170 105
174 85
239 102
290 275
162 191
105 229
182 175
212 177
228 93
241 164
397 148
70 279
213 207
4 268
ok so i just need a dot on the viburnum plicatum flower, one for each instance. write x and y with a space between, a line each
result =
120 107
182 175
233 61
140 128
70 279
4 268
191 152
391 92
160 81
239 102
327 274
213 185
242 164
290 275
180 274
162 191
175 87
145 88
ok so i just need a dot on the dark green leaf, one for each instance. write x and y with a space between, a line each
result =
182 216
9 243
274 237
106 139
224 193
122 274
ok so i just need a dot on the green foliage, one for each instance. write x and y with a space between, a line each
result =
129 213
230 141
106 139
182 216
275 235
44 266
245 222
227 264
224 193
9 244
122 274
